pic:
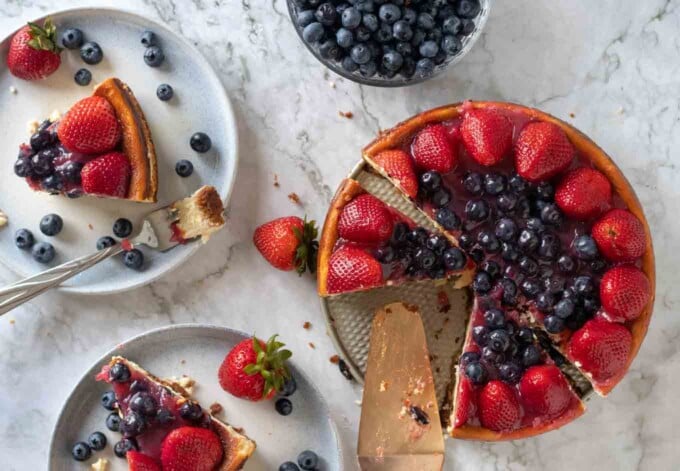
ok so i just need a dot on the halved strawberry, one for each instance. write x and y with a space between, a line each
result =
107 175
624 292
398 165
351 268
432 150
620 236
33 52
583 193
487 135
600 348
544 390
499 409
288 243
465 402
542 150
365 219
140 462
191 449
90 126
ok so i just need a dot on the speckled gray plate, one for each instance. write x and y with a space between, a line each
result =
200 104
198 351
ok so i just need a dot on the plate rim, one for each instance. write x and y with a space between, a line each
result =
227 109
51 451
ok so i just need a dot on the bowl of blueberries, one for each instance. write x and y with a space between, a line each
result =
389 43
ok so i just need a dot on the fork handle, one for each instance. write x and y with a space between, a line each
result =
24 290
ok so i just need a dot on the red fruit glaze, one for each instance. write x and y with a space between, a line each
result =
499 409
465 402
487 135
624 292
583 193
545 391
107 175
432 150
351 268
365 219
600 348
542 150
399 167
191 449
235 380
27 63
140 462
277 242
620 236
90 126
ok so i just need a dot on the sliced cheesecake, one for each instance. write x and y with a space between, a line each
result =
199 215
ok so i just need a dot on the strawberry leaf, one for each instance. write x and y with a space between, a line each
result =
270 364
305 255
43 38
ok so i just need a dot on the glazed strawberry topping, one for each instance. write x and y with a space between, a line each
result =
352 269
600 348
191 449
399 167
432 150
107 175
487 135
90 127
33 52
624 291
140 462
287 243
545 391
620 236
542 151
499 409
583 193
365 219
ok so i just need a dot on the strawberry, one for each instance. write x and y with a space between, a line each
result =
365 219
487 135
140 462
107 175
542 151
499 409
583 193
288 243
351 268
255 370
90 126
600 348
398 165
33 52
432 149
191 449
465 402
545 391
624 291
620 236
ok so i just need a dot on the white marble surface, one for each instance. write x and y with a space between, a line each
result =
614 64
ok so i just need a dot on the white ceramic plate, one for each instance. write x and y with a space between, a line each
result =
200 104
198 351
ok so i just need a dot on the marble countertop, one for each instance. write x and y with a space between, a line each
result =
609 67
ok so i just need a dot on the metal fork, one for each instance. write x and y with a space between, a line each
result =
156 233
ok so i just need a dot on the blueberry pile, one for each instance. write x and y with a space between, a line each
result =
307 460
283 405
42 252
420 253
90 52
386 37
82 451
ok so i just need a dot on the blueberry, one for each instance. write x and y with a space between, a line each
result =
473 183
492 357
425 258
452 25
527 241
506 229
509 252
469 357
154 56
468 8
384 33
441 198
370 21
43 252
506 202
344 38
148 38
200 142
97 441
509 291
143 403
566 264
437 244
91 53
313 32
584 285
23 238
366 6
23 167
83 77
545 301
42 163
510 372
494 318
528 265
491 267
288 466
51 224
52 184
477 210
184 168
425 21
191 411
360 54
122 227
418 38
133 259
326 14
406 50
480 334
308 460
551 215
113 421
454 259
564 308
477 254
591 304
122 447
525 335
351 18
448 219
499 340
476 372
553 324
468 27
518 184
72 38
133 424
430 181
451 45
523 207
164 92
71 172
494 183
481 283
488 241
283 406
402 31
585 247
417 236
466 241
428 49
531 356
105 242
399 234
598 265
441 56
119 373
392 61
108 400
164 416
362 34
549 246
289 387
424 67
368 69
329 49
536 225
410 16
389 13
545 191
81 451
530 288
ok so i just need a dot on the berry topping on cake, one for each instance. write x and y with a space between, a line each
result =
600 348
90 126
191 449
487 135
107 175
432 150
620 236
33 52
365 219
542 150
545 391
624 291
255 370
398 165
583 193
140 462
288 243
465 402
351 269
499 409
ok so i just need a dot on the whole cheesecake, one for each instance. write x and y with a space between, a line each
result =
562 262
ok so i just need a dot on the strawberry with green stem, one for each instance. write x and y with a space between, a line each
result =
288 243
33 52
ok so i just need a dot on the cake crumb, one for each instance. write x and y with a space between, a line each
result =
181 362
621 110
3 218
184 382
312 346
294 198
572 115
12 321
335 359
215 408
32 126
102 464
54 116
331 84
358 402
13 90
307 325
346 114
90 227
276 181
